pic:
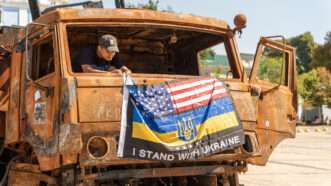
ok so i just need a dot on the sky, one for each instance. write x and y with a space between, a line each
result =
264 17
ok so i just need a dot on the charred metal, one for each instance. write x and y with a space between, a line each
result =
70 137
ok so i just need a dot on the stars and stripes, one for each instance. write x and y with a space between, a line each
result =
177 97
192 94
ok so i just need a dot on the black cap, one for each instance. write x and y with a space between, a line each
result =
109 42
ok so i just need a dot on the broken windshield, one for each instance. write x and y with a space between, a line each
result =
148 50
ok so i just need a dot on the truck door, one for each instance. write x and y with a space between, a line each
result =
273 85
41 93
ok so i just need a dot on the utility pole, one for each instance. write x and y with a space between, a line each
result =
119 3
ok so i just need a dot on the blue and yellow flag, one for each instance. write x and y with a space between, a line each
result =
179 121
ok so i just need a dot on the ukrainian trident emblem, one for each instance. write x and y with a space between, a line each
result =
186 129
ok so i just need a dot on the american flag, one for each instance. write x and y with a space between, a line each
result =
176 97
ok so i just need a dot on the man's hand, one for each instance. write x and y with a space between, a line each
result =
116 71
122 70
125 69
111 68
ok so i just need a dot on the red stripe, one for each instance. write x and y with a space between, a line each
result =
208 92
191 88
186 82
200 104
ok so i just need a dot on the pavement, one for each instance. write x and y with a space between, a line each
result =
303 161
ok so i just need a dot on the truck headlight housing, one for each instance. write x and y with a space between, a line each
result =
97 147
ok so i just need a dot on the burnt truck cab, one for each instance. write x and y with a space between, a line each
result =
70 120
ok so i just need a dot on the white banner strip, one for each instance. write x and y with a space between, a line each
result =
127 80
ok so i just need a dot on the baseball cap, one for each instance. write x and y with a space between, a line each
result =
109 42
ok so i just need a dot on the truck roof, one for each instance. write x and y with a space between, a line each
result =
129 15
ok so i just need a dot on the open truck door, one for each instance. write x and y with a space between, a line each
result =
273 84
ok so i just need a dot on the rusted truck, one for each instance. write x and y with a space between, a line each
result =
61 127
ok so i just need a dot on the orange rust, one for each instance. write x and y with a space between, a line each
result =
55 115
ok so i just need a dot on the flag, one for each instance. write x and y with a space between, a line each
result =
176 121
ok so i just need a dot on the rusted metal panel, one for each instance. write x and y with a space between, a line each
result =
49 162
106 104
158 172
68 101
108 131
106 80
10 36
22 174
70 140
13 114
245 106
125 15
40 109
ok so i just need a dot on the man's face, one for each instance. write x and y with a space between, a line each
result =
105 54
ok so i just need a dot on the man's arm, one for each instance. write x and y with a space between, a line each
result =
117 63
89 68
84 61
121 70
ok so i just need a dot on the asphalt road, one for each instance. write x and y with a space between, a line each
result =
303 161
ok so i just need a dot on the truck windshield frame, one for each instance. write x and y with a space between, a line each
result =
229 44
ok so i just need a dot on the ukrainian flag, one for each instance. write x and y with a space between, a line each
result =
176 119
197 124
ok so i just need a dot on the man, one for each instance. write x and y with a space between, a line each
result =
100 58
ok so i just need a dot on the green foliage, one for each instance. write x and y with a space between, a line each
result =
314 67
204 55
272 53
305 46
207 54
150 5
270 69
315 87
322 56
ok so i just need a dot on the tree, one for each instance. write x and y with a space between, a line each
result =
322 56
207 54
270 68
315 87
150 5
305 47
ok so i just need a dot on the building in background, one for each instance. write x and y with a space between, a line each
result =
16 12
247 60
